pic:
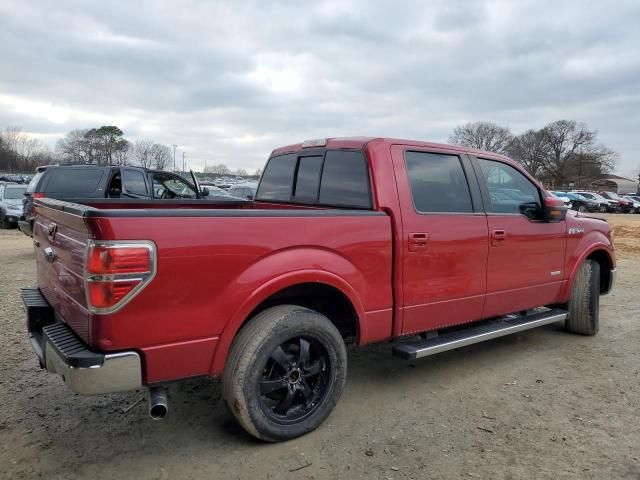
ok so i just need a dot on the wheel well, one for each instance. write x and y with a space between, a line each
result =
322 298
604 260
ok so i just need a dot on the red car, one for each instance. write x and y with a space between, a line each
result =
353 240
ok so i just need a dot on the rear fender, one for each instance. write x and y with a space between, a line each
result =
285 269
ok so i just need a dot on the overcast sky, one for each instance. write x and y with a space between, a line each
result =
228 82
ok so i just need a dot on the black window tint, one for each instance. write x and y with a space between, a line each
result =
345 180
74 180
438 183
509 190
277 179
308 179
134 182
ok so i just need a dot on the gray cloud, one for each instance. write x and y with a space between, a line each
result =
229 81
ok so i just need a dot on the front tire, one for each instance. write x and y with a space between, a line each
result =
584 304
285 372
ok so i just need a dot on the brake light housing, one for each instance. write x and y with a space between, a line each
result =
116 271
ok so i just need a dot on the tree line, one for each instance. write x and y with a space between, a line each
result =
560 153
105 145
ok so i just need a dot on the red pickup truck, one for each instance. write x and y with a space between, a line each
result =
360 240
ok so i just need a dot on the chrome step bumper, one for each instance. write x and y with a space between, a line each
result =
60 351
475 334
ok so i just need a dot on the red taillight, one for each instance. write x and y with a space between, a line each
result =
108 294
38 195
116 272
112 260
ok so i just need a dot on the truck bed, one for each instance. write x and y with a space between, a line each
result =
213 259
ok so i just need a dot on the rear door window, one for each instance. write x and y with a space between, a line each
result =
74 181
134 182
438 183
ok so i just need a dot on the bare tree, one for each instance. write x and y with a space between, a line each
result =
72 148
161 155
571 151
529 149
241 172
220 169
142 153
483 136
258 172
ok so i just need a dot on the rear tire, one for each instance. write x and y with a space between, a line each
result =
285 372
582 209
584 304
3 222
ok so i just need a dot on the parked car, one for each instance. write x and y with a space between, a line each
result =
245 190
580 203
603 203
214 190
635 201
107 182
624 206
561 196
11 195
347 241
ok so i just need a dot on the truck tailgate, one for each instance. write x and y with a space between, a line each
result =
60 239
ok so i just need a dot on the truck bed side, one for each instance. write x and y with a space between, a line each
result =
214 267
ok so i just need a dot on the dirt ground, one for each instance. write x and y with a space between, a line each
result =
542 404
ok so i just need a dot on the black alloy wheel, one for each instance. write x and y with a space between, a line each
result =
294 380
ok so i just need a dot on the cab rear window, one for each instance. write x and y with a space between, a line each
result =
333 178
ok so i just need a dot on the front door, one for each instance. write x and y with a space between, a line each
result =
444 235
526 255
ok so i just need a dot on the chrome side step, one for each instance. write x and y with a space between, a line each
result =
475 334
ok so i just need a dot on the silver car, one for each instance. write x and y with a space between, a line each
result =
11 196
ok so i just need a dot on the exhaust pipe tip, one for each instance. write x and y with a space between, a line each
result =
158 403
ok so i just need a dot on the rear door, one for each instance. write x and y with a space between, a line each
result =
526 255
444 235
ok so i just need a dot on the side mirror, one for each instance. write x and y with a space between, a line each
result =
205 192
249 197
554 210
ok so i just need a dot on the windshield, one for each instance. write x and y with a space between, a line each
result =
171 187
14 193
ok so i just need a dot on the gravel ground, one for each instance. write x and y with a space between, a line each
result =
542 404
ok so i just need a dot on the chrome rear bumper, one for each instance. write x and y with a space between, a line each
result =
60 351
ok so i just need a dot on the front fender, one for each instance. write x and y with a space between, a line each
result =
284 269
584 247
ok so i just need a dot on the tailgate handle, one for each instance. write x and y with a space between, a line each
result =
51 230
418 241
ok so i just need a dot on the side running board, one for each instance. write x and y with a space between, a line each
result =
475 334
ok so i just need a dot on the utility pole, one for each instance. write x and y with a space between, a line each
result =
183 164
580 168
174 157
